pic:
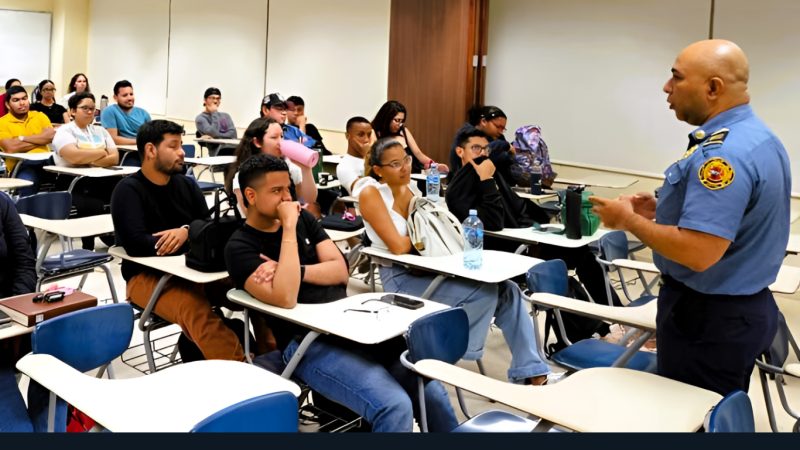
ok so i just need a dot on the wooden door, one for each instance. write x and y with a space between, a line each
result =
435 68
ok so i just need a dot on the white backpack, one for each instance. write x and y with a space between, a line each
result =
433 230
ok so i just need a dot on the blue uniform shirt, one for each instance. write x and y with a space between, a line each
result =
292 133
735 183
127 124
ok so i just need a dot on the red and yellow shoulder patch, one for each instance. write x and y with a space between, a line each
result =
716 174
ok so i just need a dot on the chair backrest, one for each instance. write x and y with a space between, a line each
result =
778 351
88 338
549 277
46 205
188 150
614 245
441 335
270 413
733 414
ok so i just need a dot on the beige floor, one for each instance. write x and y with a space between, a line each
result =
496 358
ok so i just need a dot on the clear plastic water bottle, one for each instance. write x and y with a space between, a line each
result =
432 183
536 177
473 241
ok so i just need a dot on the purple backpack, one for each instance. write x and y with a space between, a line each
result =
530 147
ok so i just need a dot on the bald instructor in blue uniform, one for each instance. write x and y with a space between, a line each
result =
721 224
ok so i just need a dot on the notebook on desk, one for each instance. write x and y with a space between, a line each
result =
23 310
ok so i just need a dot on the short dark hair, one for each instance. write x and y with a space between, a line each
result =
355 120
153 132
121 84
256 167
14 90
468 134
382 122
12 81
75 79
296 101
75 100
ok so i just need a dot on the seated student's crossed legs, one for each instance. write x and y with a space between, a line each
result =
482 301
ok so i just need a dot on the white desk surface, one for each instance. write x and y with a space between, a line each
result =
27 156
211 160
787 281
174 265
128 148
217 141
72 228
497 266
13 330
93 172
606 180
348 199
530 236
13 183
641 317
793 246
337 235
332 184
547 195
331 318
332 159
582 400
171 400
794 215
421 176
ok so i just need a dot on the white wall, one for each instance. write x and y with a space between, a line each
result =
128 40
333 54
25 46
590 74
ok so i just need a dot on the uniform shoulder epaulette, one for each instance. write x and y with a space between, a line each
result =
716 139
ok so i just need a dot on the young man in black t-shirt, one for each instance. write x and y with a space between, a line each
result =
283 257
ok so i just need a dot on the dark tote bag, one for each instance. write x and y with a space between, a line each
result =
208 237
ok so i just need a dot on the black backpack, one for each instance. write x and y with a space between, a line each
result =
576 327
208 237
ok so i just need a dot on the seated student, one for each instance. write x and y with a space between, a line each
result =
384 197
80 144
77 84
123 119
492 121
477 185
296 117
275 107
152 210
211 123
25 131
390 121
351 168
9 83
17 277
44 101
264 136
283 257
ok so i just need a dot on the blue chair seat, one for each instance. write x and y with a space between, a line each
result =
496 421
596 353
207 186
73 261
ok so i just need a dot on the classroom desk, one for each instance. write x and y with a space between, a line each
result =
25 157
530 236
169 266
337 236
127 149
69 228
9 184
422 176
497 266
581 401
331 184
332 159
91 172
14 329
603 180
173 400
217 144
525 193
331 318
793 246
211 160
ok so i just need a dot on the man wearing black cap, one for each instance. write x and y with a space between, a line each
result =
211 122
275 107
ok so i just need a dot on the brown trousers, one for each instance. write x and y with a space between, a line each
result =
189 305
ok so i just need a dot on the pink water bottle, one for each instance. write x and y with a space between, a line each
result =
299 153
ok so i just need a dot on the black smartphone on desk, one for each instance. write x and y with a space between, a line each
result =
402 301
114 167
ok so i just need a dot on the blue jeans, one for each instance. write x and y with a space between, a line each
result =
386 396
481 302
13 414
31 171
